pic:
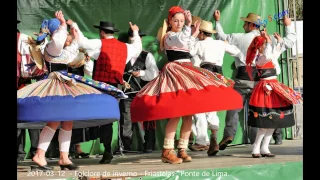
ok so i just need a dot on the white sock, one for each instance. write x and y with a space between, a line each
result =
64 140
266 141
183 143
257 142
45 137
168 143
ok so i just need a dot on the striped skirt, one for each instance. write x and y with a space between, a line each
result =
182 89
271 105
68 97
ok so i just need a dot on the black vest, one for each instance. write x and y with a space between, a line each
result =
265 73
56 67
140 64
77 71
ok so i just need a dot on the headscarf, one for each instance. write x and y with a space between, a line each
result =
47 28
256 43
173 10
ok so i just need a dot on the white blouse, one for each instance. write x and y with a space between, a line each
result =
55 53
271 54
179 41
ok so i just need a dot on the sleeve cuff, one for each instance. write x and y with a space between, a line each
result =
135 33
187 28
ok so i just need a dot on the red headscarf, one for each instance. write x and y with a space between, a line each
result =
256 43
173 10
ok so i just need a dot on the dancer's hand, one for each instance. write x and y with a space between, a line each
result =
277 36
264 33
286 21
196 28
188 17
59 15
216 15
69 22
134 27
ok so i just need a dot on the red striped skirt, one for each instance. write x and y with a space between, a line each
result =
182 89
272 108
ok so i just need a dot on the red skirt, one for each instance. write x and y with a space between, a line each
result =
182 89
272 108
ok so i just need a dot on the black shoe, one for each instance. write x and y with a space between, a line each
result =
224 142
268 155
256 155
82 155
106 159
20 158
69 167
41 168
278 142
147 151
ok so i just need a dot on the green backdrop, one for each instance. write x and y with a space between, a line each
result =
149 16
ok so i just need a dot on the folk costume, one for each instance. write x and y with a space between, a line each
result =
146 65
181 83
181 89
40 101
243 84
28 67
210 55
64 96
81 66
271 102
111 57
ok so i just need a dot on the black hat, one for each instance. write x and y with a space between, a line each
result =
18 21
107 26
130 33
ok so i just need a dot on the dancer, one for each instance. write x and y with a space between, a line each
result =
271 102
111 57
138 71
181 88
60 99
28 67
243 85
210 55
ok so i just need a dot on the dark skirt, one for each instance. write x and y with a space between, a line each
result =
272 108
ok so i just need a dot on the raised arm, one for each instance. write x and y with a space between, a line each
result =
91 46
55 46
220 35
74 25
136 46
290 36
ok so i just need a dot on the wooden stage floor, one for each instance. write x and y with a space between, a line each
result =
142 164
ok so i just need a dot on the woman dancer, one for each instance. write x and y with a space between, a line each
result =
59 99
181 89
271 102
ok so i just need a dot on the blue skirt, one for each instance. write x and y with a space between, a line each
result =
68 97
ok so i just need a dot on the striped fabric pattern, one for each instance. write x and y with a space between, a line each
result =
54 87
287 93
278 96
182 76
